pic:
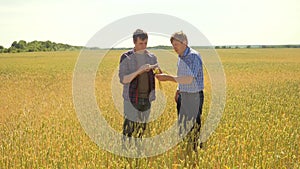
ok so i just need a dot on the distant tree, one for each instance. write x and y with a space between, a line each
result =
248 46
22 44
14 44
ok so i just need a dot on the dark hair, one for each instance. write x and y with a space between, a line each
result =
179 36
139 34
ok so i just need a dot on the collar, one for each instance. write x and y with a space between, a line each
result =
186 52
145 51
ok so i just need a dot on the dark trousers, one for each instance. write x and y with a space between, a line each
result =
136 116
194 134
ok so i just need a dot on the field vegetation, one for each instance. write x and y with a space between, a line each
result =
259 127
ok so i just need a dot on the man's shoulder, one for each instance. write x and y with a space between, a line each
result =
150 53
127 53
193 52
150 56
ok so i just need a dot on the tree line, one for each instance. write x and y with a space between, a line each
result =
37 46
44 46
256 46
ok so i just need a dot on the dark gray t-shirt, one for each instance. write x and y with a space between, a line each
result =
143 79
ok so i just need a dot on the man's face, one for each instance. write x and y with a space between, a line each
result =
179 47
140 44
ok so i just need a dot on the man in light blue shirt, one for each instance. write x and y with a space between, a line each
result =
189 95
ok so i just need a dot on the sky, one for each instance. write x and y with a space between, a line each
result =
230 22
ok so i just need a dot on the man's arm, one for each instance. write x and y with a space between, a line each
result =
184 79
178 79
142 69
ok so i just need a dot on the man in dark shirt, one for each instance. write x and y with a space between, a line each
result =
137 77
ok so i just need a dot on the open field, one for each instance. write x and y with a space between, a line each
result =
259 128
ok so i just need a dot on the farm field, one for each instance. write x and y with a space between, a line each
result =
259 128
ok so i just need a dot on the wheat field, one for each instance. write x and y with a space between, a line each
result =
259 128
